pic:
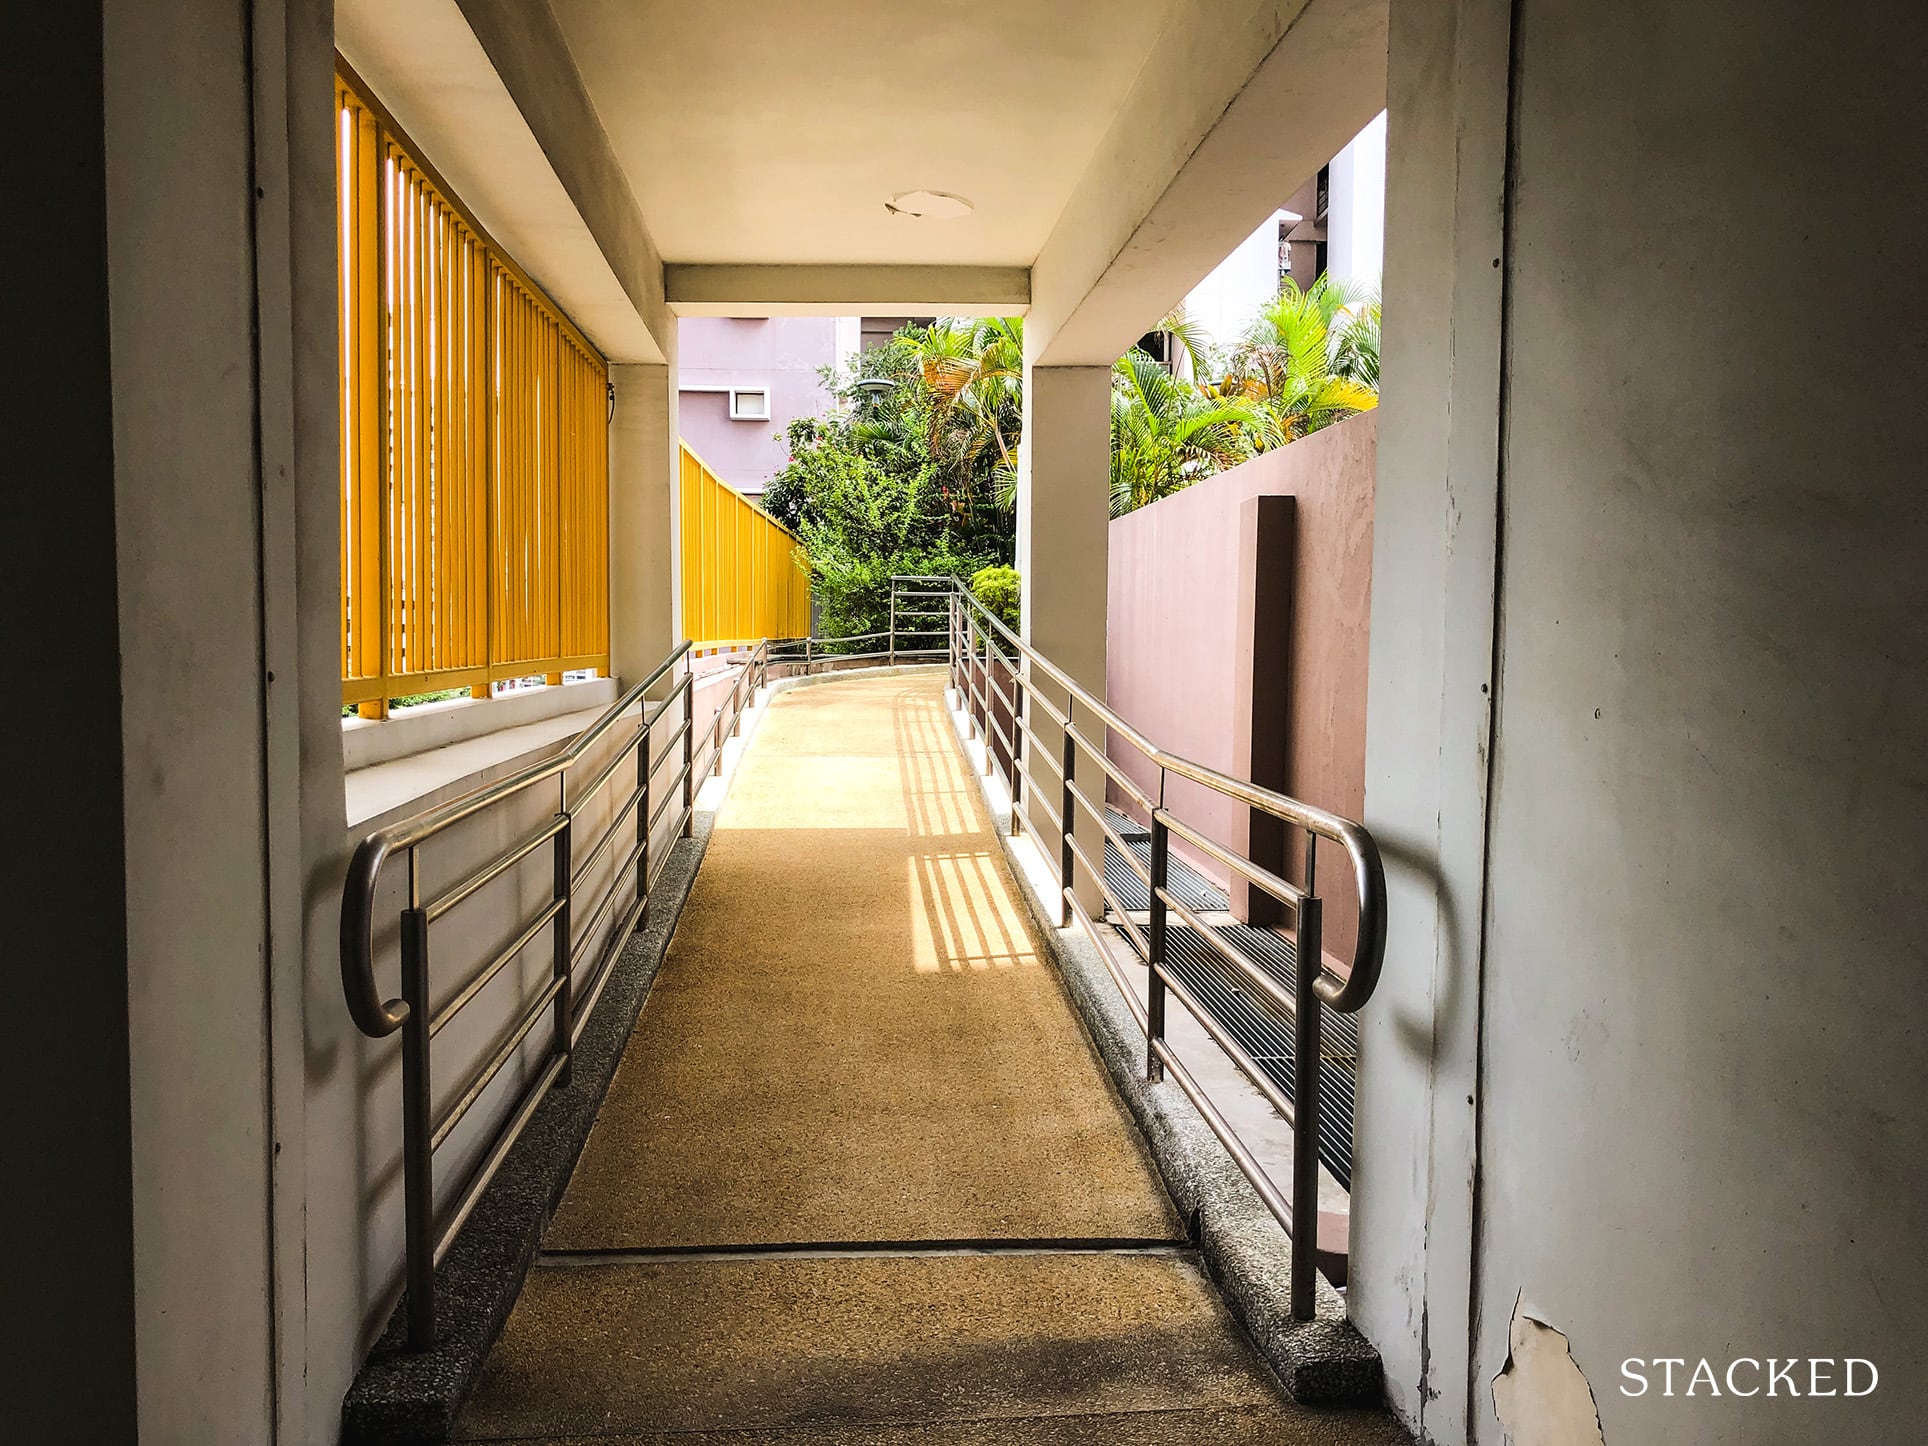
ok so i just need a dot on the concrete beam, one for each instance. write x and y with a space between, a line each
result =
1240 111
842 290
490 92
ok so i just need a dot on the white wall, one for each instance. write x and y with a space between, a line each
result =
1224 302
1696 1055
223 293
1356 208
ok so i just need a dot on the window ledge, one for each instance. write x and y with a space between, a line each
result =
398 788
367 742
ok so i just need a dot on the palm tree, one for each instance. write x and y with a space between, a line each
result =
1285 367
1355 350
1190 337
973 371
1166 433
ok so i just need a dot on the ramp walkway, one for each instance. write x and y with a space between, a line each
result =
859 1177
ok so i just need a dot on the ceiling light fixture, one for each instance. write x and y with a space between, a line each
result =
928 205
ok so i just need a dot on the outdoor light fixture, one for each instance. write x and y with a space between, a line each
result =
928 205
876 386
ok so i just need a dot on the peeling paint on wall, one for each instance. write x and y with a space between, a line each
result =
1541 1395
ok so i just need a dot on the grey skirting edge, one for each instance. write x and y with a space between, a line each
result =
404 1397
1324 1361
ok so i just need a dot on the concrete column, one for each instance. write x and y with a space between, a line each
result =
1064 516
1436 519
644 620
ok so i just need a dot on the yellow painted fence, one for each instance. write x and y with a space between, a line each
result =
745 576
474 442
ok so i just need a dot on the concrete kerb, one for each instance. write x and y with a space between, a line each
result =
405 1397
1324 1361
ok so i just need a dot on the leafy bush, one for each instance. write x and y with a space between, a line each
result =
864 524
997 587
900 479
1308 359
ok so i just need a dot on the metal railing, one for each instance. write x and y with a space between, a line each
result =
997 678
745 575
574 912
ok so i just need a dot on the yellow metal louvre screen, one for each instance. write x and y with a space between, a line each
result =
745 576
475 454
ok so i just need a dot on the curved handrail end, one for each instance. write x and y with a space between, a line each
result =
374 1016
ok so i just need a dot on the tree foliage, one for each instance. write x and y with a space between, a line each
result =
905 472
1308 359
999 589
1166 433
913 468
1286 364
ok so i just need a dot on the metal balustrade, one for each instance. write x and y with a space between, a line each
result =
572 916
745 575
1002 685
1042 750
474 441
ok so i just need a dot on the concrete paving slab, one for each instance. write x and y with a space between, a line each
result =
969 1343
855 1037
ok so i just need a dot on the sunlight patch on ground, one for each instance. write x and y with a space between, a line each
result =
961 916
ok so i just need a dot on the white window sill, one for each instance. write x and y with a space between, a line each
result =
386 793
366 742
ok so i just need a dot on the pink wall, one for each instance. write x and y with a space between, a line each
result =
782 353
1173 650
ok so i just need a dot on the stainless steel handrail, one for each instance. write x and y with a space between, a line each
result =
981 645
977 646
423 1131
378 1017
1362 977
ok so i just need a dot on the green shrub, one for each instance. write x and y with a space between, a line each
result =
866 520
409 701
997 587
902 479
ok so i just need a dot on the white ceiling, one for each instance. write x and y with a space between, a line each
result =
774 132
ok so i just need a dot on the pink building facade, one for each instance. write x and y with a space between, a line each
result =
743 380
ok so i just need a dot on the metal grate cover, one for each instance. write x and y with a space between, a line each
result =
1187 885
1265 1032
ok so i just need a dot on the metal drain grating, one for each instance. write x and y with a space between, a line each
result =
1187 885
1265 1032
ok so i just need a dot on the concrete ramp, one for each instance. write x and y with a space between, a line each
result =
860 1177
